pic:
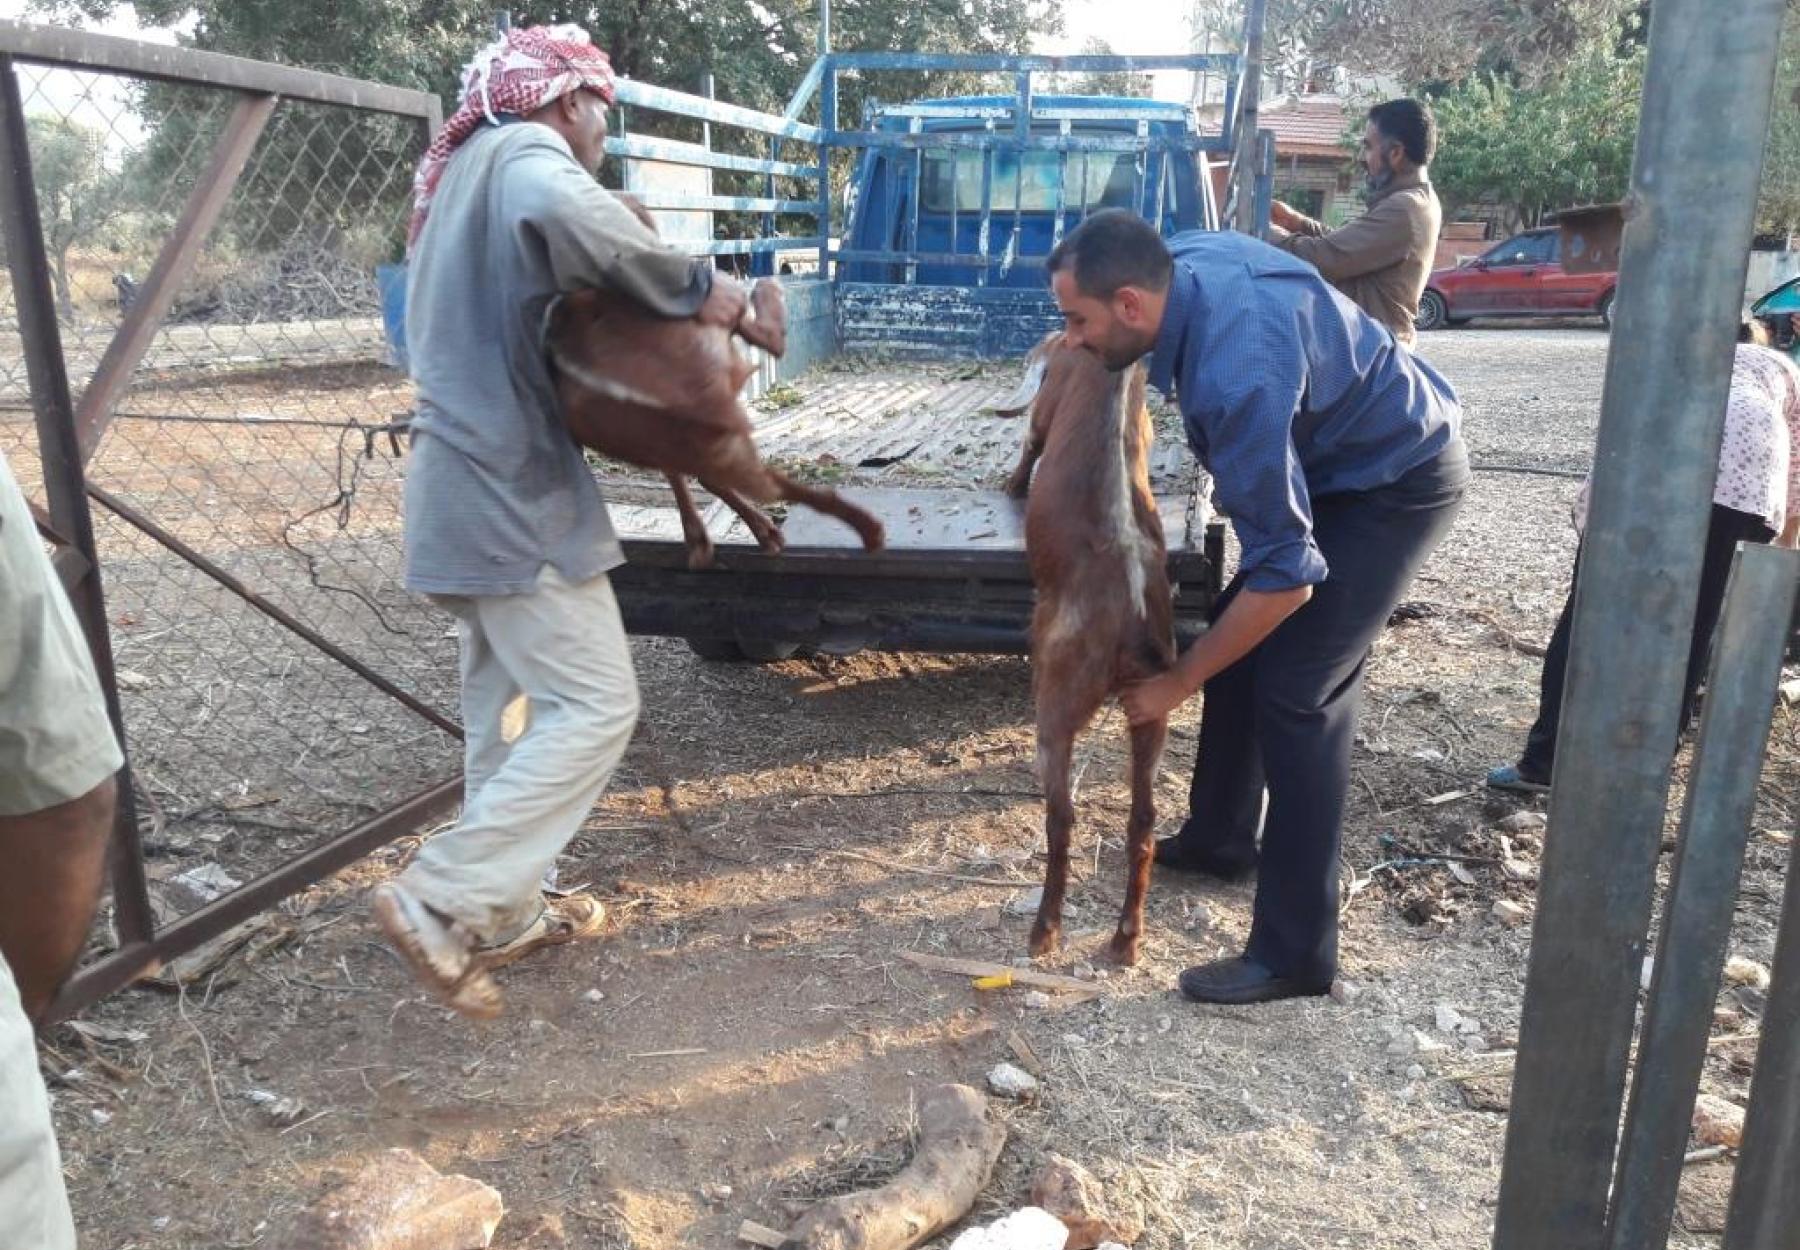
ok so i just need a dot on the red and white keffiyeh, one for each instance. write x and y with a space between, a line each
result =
518 73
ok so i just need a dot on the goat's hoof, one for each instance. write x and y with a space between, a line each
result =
1123 950
874 536
1016 489
771 542
1045 940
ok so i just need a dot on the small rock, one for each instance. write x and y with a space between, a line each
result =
1448 1018
1084 972
280 1110
1027 903
1741 971
1524 822
1647 973
715 1192
1075 1196
1704 1198
1425 1044
397 1200
1415 1072
594 996
1343 992
1519 869
1029 1228
159 1223
1010 1081
129 679
1164 1024
1509 914
100 1116
1074 1039
1490 1091
1717 1122
1037 1000
1469 1026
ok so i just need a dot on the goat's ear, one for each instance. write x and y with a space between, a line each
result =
1021 399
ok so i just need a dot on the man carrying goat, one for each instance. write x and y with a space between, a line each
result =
505 527
1339 460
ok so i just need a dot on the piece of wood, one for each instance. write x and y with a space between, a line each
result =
1438 800
1027 1057
983 968
669 1054
958 1146
761 1235
212 191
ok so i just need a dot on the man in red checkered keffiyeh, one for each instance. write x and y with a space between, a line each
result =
517 74
506 526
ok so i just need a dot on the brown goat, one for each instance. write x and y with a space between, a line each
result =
1104 615
662 393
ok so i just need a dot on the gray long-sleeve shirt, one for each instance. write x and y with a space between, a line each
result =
497 488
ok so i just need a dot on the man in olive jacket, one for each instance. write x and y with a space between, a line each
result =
1381 259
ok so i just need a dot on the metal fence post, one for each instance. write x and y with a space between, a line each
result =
59 450
1689 217
1703 888
1244 161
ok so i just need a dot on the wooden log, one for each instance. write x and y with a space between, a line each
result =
958 1147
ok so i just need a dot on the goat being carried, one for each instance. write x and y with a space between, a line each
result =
1104 615
663 393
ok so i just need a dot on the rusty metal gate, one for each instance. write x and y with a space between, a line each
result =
196 395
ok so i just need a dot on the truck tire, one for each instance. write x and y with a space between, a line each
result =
732 651
1434 314
1605 308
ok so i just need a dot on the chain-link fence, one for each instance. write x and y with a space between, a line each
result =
233 384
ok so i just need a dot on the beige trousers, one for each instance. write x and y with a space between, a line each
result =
563 648
34 1209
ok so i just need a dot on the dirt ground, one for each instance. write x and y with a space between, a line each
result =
747 1038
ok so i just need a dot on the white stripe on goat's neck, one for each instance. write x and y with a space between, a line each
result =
609 387
1121 518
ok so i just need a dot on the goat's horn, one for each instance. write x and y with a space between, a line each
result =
1021 399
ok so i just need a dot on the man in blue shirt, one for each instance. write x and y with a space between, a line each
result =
1337 456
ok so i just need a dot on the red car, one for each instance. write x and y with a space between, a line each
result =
1522 277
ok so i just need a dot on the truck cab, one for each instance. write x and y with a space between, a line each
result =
961 215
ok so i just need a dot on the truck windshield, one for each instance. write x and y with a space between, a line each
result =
951 181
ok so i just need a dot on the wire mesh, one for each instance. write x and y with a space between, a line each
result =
257 432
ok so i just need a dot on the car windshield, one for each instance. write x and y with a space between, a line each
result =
951 181
1526 249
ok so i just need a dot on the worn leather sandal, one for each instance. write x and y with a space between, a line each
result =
571 918
440 953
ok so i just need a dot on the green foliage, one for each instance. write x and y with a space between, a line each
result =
77 195
1778 209
1426 40
1533 150
757 54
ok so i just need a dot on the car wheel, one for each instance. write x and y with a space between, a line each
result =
1605 309
1433 314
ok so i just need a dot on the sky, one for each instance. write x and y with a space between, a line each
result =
1159 26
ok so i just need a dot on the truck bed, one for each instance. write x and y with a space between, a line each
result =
914 444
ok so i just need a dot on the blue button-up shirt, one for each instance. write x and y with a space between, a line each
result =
1288 392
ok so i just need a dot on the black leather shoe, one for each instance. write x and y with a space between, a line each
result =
1239 981
1169 853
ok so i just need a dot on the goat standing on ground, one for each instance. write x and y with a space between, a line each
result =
1105 613
663 393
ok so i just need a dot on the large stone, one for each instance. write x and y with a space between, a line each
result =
1028 1228
398 1202
1075 1196
1717 1122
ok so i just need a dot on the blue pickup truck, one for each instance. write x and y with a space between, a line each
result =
970 214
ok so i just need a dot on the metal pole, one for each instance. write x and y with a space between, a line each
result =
59 451
827 123
1246 137
1681 284
1765 1201
1696 924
